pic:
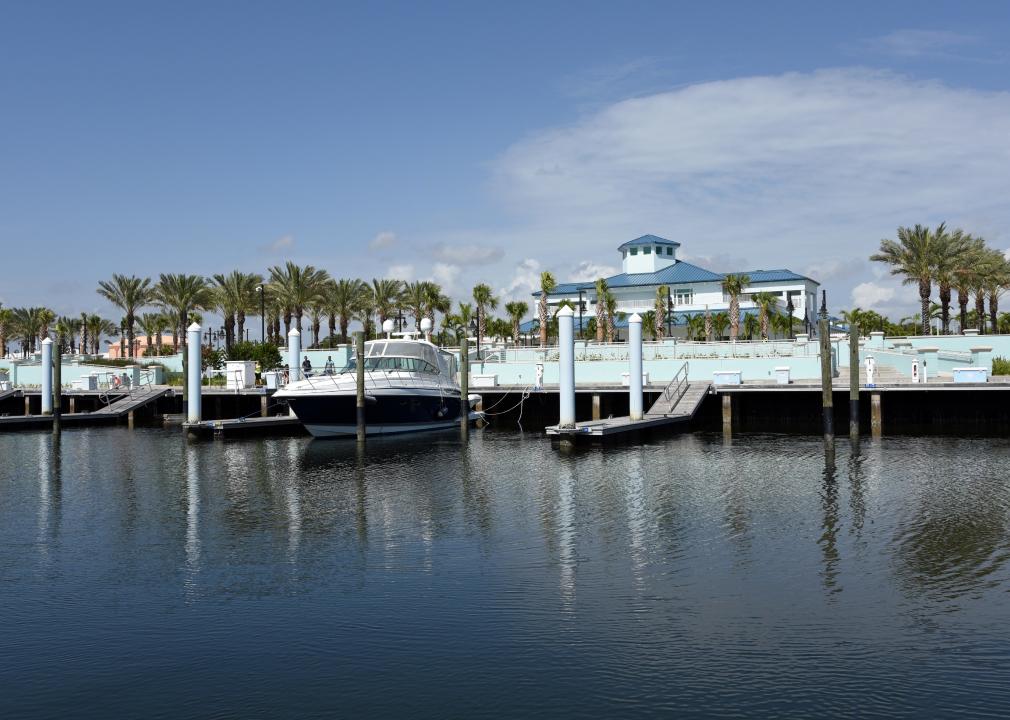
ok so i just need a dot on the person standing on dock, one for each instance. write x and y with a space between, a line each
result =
329 368
306 367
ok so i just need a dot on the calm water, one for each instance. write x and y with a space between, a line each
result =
142 576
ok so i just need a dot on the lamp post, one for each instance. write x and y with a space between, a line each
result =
669 311
263 313
581 326
474 327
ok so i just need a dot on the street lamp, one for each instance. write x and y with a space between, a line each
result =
789 313
669 310
581 326
474 326
263 314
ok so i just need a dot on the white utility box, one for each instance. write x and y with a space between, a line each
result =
626 378
970 375
782 375
240 374
483 380
727 377
272 380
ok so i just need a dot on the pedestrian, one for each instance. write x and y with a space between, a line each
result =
329 368
306 367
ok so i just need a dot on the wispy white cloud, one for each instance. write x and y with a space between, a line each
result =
588 270
911 43
467 253
401 272
525 279
872 295
383 241
446 274
282 244
785 170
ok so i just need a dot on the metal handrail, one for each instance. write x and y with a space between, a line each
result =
678 386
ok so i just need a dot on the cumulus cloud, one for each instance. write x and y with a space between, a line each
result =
445 274
383 240
467 254
588 270
280 245
785 170
871 295
525 279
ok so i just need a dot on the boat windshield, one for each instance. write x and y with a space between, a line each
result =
397 355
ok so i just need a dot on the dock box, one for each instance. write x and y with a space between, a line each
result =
86 382
240 374
484 380
782 375
727 377
626 378
272 379
970 375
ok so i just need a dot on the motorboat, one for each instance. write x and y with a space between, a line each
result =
410 386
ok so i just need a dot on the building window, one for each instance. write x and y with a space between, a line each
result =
669 251
634 251
647 250
683 297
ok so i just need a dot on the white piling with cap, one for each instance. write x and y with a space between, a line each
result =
387 327
194 366
566 366
635 367
294 355
47 376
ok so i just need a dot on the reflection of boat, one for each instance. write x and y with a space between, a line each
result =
410 385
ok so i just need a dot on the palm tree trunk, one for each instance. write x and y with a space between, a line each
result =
734 318
993 312
315 331
764 322
962 301
241 325
924 290
980 311
345 322
287 323
945 308
543 320
331 326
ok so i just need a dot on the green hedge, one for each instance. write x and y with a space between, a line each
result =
1000 366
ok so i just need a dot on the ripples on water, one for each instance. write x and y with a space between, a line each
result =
143 576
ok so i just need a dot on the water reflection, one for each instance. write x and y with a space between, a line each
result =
50 500
192 545
566 532
828 540
638 517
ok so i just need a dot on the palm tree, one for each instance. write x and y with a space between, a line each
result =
46 317
610 302
484 300
996 281
649 324
364 309
435 301
659 310
129 294
297 288
547 285
751 325
694 326
152 325
516 310
179 295
342 298
601 308
766 302
950 248
84 333
98 326
914 257
6 316
964 275
708 324
733 285
463 316
387 297
66 334
720 321
415 299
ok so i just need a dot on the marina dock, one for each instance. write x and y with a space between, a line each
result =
234 427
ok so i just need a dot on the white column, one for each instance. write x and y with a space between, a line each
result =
47 377
635 367
194 366
294 355
566 366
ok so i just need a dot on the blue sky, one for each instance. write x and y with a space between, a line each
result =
475 142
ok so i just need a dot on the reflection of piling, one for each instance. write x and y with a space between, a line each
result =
875 419
827 402
47 377
566 367
464 384
635 367
854 380
359 356
194 377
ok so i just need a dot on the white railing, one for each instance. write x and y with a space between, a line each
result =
676 388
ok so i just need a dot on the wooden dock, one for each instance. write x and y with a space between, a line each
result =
121 407
676 405
232 427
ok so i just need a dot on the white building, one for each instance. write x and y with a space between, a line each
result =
650 262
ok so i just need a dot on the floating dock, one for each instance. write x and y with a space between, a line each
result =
233 427
121 406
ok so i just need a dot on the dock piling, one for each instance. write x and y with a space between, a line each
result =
294 355
57 391
854 380
359 357
824 337
194 379
566 367
727 414
635 411
47 377
875 417
464 384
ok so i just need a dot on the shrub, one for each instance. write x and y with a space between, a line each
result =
1000 366
266 354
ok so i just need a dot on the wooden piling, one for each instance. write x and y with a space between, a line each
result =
854 380
264 403
359 354
727 413
464 384
875 419
827 402
57 389
596 406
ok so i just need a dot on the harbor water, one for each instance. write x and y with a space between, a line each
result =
142 575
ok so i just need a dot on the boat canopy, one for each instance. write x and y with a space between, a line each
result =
398 355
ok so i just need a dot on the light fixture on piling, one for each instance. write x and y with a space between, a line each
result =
426 328
387 327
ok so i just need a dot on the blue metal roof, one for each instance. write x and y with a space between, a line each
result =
757 276
648 240
680 272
